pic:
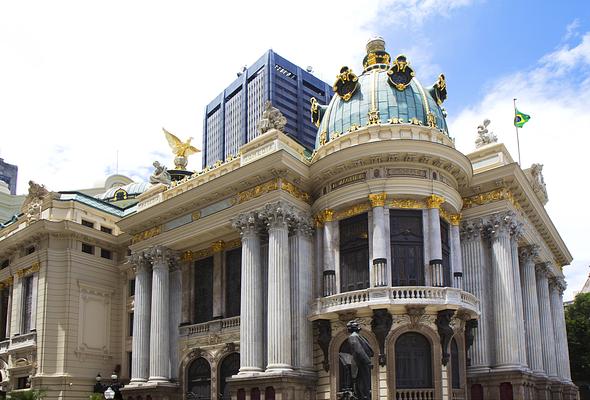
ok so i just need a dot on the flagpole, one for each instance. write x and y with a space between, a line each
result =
517 139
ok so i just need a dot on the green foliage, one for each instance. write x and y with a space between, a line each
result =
96 396
577 319
33 394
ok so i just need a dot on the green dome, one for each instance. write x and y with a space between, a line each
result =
392 91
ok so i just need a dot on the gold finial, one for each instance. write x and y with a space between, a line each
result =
376 53
180 149
377 199
434 201
375 44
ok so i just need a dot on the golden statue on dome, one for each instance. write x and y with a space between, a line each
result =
180 149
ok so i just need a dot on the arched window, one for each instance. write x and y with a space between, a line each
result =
407 248
354 253
120 195
199 380
229 366
455 367
413 362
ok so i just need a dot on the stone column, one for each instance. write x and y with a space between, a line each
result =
515 235
140 347
34 291
302 294
556 288
278 216
504 308
531 308
319 259
218 261
456 258
251 300
436 268
547 332
476 282
160 319
186 283
329 277
175 317
379 240
17 311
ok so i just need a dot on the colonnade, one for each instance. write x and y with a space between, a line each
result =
522 324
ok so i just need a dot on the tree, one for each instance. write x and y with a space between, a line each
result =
577 319
27 395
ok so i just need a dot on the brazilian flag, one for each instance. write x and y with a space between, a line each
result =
520 119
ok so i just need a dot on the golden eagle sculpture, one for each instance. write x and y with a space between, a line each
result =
180 149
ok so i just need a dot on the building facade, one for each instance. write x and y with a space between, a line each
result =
231 118
238 282
8 174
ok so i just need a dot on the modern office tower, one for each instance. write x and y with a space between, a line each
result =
230 119
8 174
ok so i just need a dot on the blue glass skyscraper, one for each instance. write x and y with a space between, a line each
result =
230 119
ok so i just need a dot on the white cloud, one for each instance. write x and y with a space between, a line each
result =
554 93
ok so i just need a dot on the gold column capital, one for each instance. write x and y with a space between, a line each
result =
377 199
327 215
218 246
187 256
434 201
455 219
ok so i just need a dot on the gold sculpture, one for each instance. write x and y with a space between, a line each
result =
180 149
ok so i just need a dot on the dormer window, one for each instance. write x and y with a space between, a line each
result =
120 195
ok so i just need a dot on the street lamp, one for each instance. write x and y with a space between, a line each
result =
109 394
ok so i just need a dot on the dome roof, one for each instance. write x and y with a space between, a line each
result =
131 189
385 93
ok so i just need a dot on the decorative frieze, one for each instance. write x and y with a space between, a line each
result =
147 234
490 197
434 201
35 267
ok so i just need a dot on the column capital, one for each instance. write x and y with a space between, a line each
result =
140 261
377 199
543 268
472 229
528 253
434 201
247 223
278 215
326 215
517 230
455 219
557 283
302 224
499 224
161 255
218 246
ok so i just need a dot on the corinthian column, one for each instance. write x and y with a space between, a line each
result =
556 288
532 323
436 268
329 275
140 356
175 303
547 332
379 241
251 328
476 281
278 217
160 321
456 259
515 235
504 308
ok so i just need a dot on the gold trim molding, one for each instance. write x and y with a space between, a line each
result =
434 201
490 197
217 246
408 204
352 211
7 282
35 267
377 199
257 191
295 191
147 234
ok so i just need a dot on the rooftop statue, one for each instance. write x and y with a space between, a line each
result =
31 207
160 174
271 118
484 135
180 149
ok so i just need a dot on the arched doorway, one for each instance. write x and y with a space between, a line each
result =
413 366
199 380
229 366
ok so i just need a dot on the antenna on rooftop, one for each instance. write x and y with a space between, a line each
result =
309 69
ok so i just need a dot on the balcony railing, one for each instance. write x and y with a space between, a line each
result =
443 297
414 394
218 325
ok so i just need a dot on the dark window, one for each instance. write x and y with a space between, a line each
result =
255 394
106 230
132 287
22 382
29 250
130 329
4 311
229 366
129 363
5 264
407 248
476 392
269 393
455 367
506 392
27 303
204 290
88 223
446 252
104 253
413 362
199 380
233 273
354 253
87 248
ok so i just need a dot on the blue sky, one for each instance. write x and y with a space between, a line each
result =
83 81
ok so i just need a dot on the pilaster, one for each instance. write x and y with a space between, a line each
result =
433 203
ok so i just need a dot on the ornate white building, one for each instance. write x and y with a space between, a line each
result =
238 281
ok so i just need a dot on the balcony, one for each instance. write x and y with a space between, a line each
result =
396 299
215 326
17 343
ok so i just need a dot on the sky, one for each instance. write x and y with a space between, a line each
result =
85 87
